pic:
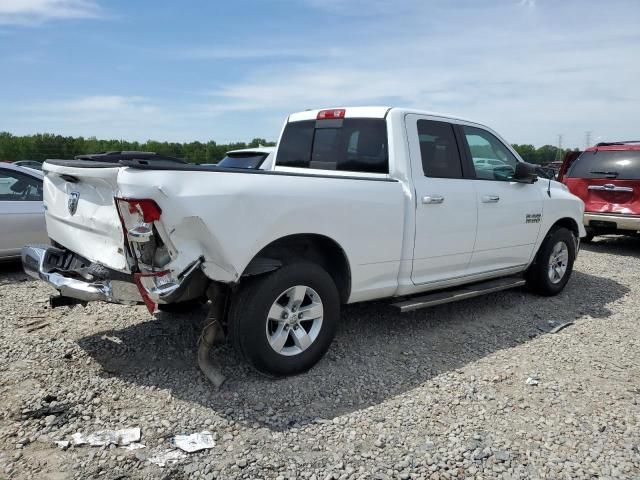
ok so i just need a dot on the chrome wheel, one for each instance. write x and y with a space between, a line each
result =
294 320
558 261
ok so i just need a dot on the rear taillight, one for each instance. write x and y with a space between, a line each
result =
137 216
145 248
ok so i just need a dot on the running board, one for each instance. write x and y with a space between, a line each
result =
462 293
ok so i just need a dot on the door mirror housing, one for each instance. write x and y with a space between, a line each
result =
525 173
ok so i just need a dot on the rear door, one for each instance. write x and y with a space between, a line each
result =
446 210
21 211
509 213
607 181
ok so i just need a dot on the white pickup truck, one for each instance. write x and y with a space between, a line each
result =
362 203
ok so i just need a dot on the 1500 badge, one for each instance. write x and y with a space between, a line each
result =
533 217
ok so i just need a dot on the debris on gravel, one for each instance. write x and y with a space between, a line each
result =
440 393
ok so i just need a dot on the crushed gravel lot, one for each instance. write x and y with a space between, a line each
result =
481 388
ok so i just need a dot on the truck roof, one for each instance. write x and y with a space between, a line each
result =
369 112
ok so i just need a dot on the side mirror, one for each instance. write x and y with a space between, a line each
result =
525 173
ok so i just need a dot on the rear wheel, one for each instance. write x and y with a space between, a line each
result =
553 265
283 322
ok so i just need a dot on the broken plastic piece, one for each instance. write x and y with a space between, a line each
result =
194 442
134 446
113 339
211 334
561 327
121 437
63 444
167 457
532 381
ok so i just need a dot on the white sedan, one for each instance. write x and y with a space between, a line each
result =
21 209
257 157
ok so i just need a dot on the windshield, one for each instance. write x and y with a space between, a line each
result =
243 160
614 164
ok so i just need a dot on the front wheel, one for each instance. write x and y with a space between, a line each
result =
283 322
553 264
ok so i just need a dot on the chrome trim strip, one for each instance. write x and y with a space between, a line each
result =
610 188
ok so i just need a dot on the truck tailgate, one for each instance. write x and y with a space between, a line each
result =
81 214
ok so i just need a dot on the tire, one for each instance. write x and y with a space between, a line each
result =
559 248
264 312
181 307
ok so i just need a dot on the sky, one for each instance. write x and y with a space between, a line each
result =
233 70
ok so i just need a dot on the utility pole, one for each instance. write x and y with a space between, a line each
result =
587 139
559 149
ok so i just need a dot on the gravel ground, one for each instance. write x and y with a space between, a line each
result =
437 393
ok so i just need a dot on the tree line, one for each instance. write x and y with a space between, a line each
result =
46 145
542 155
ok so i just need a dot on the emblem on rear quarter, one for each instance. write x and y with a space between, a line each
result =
72 203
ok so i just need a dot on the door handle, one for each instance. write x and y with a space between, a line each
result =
490 198
432 199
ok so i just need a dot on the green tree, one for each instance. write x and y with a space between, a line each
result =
42 146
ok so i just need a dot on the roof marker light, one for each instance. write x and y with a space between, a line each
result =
337 113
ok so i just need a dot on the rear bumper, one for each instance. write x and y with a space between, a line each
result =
621 222
41 262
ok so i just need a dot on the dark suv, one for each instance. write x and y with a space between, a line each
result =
607 179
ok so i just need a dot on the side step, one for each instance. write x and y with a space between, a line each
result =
461 293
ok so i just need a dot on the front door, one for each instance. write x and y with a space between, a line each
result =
509 213
446 211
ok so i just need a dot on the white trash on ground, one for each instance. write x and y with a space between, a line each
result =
167 457
194 442
134 446
532 381
121 437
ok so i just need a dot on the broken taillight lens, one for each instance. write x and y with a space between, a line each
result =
137 216
154 284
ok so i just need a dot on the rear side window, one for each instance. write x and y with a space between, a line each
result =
438 149
352 144
619 164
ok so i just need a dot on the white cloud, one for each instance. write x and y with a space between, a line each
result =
530 73
102 116
34 12
530 79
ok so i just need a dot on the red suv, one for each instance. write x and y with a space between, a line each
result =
607 179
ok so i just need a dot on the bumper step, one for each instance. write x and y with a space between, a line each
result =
467 291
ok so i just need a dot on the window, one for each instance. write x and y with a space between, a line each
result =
492 160
438 149
243 160
15 186
618 164
352 144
